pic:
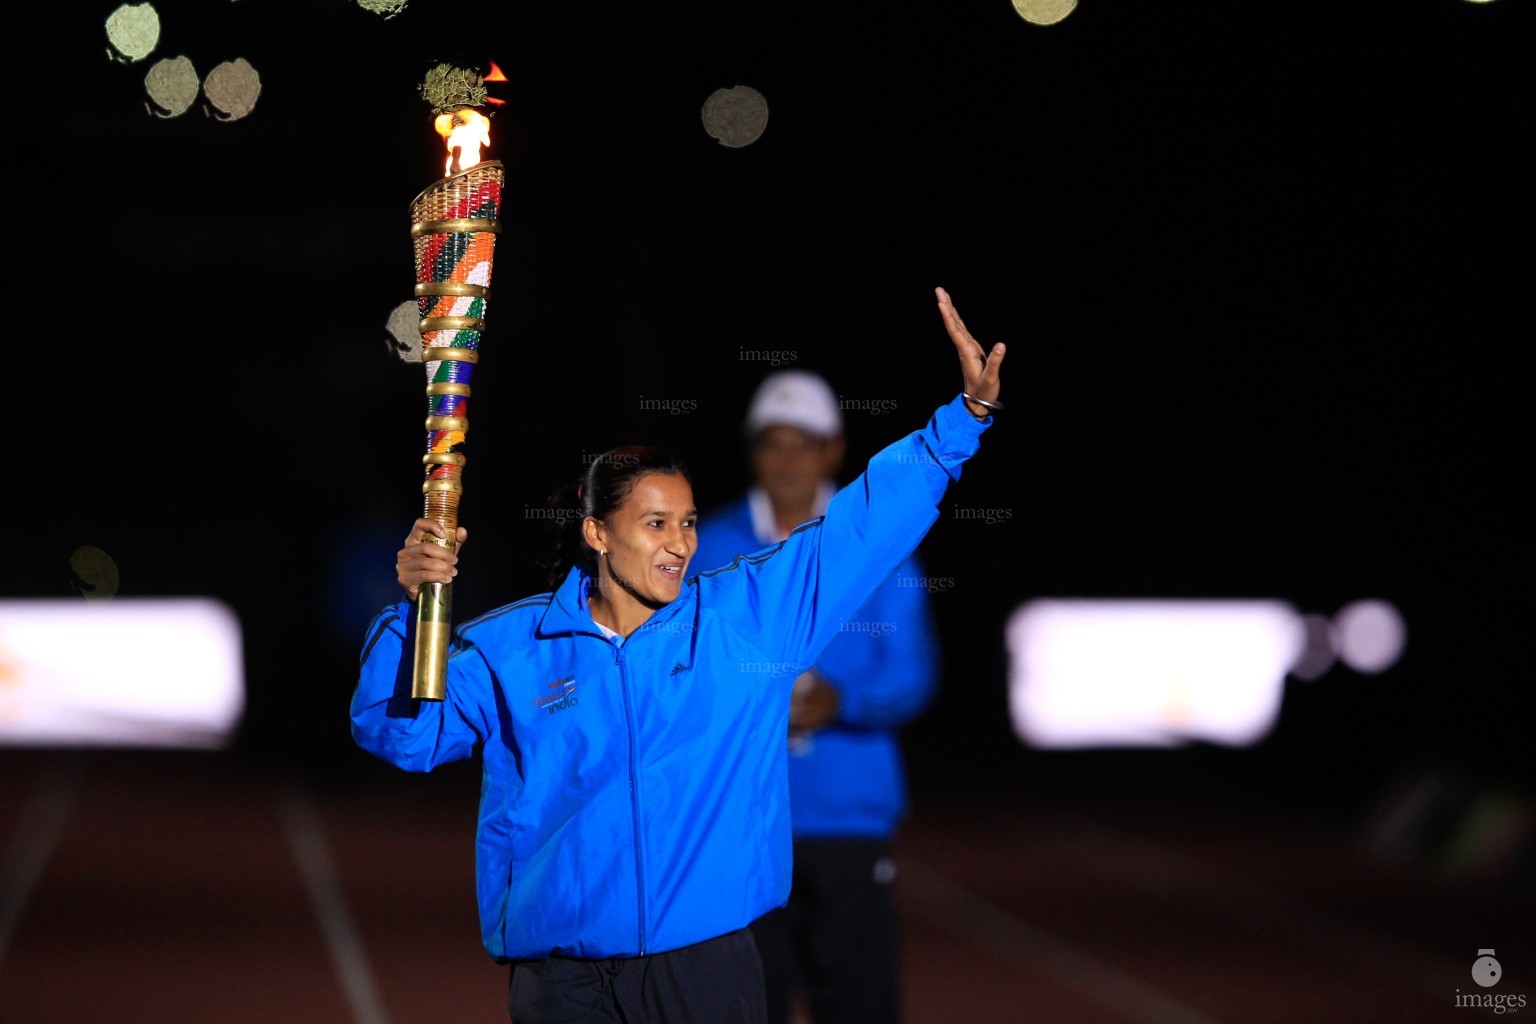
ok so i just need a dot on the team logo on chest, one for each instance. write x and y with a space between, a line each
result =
561 695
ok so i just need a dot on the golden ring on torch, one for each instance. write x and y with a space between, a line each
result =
454 224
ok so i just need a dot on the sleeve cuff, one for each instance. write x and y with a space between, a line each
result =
957 416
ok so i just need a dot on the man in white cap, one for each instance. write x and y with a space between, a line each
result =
834 946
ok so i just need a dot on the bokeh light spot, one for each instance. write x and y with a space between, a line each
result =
387 8
133 30
1044 12
232 88
1371 635
1319 649
172 84
93 573
736 116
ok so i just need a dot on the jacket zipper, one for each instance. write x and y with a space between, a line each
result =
634 790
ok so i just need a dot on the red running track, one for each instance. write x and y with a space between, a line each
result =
172 888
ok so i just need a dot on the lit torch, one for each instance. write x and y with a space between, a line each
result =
454 223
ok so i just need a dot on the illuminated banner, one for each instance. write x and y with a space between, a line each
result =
129 672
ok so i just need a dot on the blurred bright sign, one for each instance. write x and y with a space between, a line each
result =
1105 673
157 672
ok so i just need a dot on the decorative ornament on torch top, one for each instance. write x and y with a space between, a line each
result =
454 223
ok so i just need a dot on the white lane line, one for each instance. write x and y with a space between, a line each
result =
943 902
1151 868
54 794
330 905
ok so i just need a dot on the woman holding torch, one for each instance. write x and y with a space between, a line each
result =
634 810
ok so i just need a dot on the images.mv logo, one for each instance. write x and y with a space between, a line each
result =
1487 972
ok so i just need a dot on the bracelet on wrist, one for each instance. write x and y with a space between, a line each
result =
989 406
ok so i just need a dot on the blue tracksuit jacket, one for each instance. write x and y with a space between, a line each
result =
847 779
634 796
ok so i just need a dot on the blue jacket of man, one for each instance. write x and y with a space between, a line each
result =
847 779
634 796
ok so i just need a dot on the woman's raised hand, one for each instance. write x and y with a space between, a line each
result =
981 370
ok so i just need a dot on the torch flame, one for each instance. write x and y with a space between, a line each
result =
466 131
495 75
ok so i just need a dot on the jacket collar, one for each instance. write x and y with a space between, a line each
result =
568 612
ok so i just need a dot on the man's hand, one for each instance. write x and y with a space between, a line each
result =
813 703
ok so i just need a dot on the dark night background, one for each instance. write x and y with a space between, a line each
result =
1256 265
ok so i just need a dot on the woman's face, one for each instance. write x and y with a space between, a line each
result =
649 539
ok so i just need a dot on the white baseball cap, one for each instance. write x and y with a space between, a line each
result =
795 398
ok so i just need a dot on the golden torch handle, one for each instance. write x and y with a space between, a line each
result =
434 605
434 626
